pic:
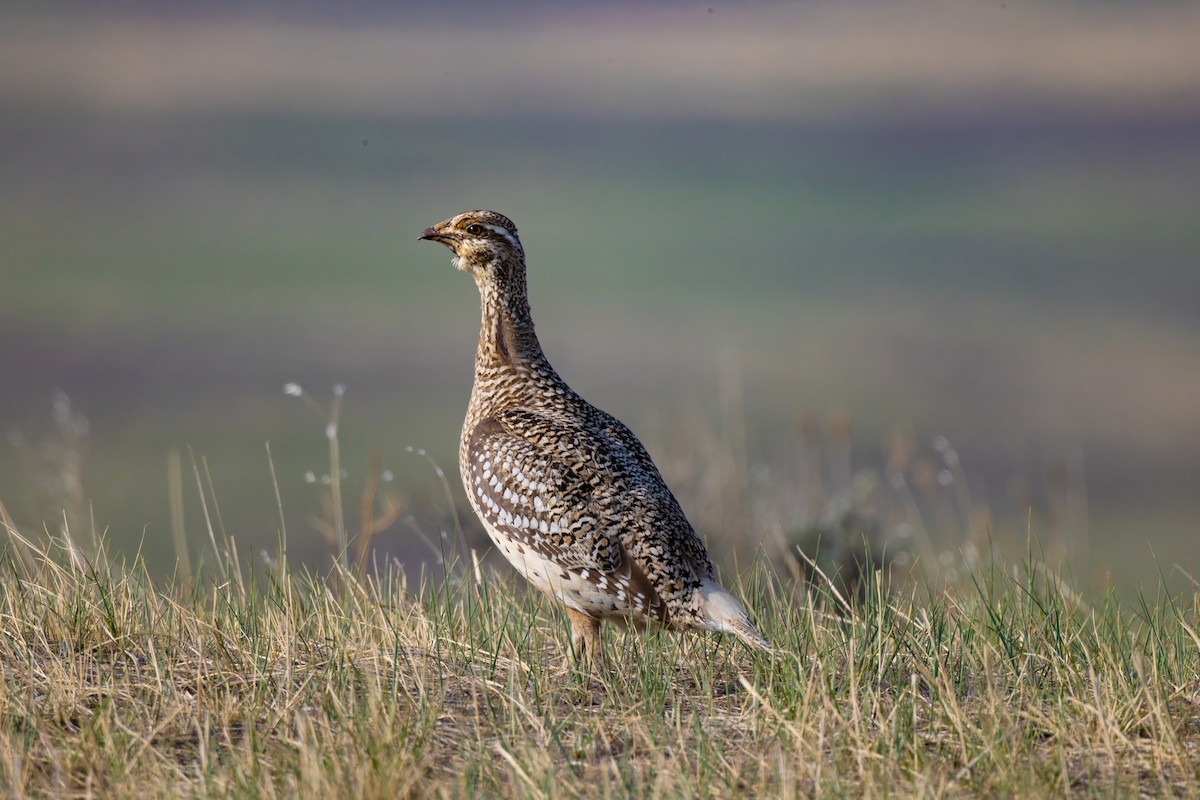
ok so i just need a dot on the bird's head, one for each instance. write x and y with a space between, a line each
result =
482 241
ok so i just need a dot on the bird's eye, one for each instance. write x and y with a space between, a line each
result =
474 230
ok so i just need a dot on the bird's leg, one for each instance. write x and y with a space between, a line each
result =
585 637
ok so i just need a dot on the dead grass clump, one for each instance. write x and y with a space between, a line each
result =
284 683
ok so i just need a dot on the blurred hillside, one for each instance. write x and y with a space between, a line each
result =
978 223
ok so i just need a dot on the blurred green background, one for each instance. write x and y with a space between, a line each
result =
741 220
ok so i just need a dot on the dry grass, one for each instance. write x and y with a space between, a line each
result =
277 685
983 679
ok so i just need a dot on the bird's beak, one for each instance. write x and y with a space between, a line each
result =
437 234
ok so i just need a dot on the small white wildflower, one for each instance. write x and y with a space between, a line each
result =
421 452
387 476
940 443
61 404
950 457
945 477
408 449
310 477
325 479
292 389
339 389
331 430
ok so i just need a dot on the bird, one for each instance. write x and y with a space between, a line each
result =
567 492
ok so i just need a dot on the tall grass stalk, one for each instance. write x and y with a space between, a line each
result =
1004 683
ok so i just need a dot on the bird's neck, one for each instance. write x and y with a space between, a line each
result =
506 336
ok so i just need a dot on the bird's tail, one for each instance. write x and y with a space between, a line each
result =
727 615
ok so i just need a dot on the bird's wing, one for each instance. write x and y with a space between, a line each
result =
538 481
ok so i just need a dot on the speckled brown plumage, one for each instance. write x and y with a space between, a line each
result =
566 491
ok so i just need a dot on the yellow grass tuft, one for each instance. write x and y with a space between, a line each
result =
1005 683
